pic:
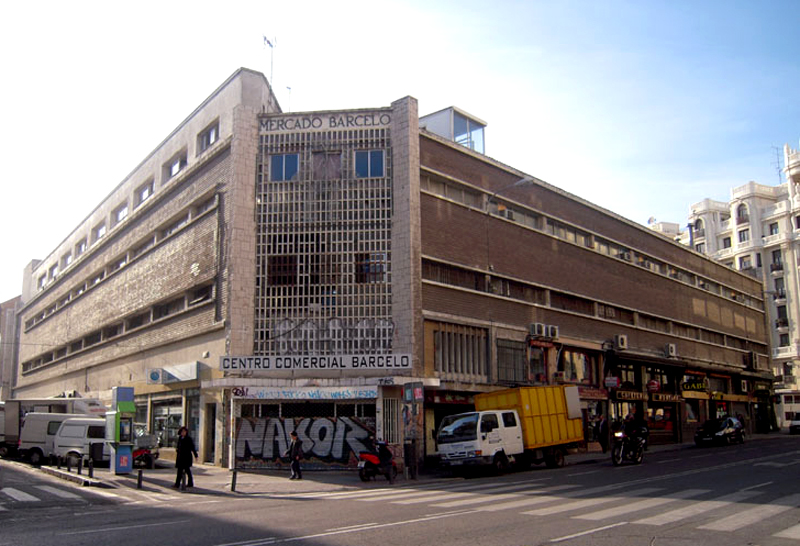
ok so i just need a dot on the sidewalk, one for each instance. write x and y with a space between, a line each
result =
213 480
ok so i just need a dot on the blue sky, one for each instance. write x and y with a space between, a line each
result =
641 107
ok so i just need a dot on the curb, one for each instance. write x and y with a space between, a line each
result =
75 478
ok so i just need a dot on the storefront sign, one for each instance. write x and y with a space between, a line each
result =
653 386
305 393
696 385
612 382
592 393
630 395
717 396
542 344
390 363
448 398
658 397
315 122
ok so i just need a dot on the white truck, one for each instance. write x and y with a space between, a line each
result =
513 426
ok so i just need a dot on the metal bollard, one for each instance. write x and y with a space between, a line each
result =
69 464
233 481
58 462
91 468
80 465
139 480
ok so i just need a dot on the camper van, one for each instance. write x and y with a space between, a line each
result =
37 434
75 437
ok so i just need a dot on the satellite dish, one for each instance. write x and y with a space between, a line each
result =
651 220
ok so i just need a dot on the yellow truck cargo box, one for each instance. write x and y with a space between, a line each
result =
549 415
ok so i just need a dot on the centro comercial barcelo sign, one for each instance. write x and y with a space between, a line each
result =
392 362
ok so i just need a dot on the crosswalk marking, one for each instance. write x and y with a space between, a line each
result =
448 496
18 495
541 499
754 515
58 492
697 508
396 494
586 503
640 505
791 532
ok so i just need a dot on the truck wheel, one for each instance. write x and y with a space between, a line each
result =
555 459
3 451
35 457
500 463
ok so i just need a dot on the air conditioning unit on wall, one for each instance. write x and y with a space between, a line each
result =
537 329
671 350
621 342
552 331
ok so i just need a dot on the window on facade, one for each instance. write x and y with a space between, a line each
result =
369 164
700 247
726 242
282 270
175 165
773 228
169 308
80 248
137 320
468 132
200 295
143 193
744 235
120 213
745 262
208 137
42 282
741 214
777 258
326 165
175 226
783 340
98 232
460 349
66 259
370 267
578 366
781 309
283 167
53 273
512 365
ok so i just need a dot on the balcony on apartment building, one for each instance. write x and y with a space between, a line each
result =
779 295
790 352
782 324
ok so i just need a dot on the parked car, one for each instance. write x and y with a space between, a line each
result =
727 430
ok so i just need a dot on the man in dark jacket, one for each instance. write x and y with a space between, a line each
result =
295 453
183 458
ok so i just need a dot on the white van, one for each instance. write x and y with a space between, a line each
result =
75 437
37 434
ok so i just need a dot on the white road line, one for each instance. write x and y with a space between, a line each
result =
18 495
697 508
756 486
791 532
540 499
586 503
641 505
668 461
483 498
589 532
124 527
583 473
105 494
753 515
59 492
447 496
409 493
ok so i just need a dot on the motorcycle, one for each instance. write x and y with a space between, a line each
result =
627 447
369 466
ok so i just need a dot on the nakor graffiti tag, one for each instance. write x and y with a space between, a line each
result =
326 441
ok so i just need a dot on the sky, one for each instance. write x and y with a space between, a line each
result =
641 107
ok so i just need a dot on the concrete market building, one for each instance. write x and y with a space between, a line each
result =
365 272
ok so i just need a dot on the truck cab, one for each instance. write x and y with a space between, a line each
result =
480 438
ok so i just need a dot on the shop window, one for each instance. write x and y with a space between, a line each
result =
167 419
578 367
692 410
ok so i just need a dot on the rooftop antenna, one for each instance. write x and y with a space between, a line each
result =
778 163
289 105
271 54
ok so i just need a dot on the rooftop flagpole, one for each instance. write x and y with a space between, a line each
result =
271 53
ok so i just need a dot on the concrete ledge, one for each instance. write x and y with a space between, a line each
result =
73 477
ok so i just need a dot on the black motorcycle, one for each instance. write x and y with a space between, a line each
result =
628 447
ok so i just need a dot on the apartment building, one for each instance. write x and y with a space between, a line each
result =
357 273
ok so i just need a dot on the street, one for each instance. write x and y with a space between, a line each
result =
732 495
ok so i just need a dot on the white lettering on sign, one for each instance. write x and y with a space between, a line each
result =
284 123
332 362
305 393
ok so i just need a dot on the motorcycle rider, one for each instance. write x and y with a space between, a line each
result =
635 426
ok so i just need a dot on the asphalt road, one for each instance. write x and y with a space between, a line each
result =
734 495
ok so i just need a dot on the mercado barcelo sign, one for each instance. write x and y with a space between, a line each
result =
393 362
324 122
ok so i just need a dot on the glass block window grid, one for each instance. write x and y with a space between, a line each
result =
323 250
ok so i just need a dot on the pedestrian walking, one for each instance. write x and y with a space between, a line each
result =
602 433
183 458
295 453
